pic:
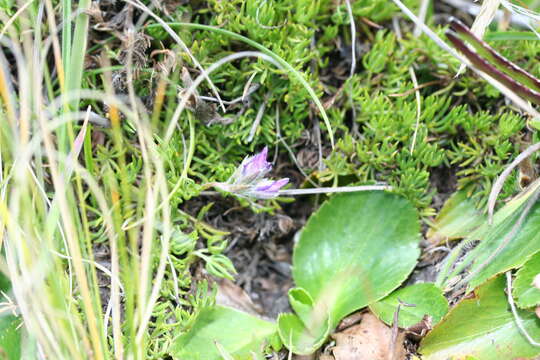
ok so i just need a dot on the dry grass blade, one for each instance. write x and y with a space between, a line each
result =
497 186
12 19
424 5
418 106
257 121
351 74
471 8
7 91
190 91
530 18
283 64
353 37
183 45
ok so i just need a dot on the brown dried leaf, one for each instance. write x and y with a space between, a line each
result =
370 340
231 295
305 357
349 321
326 357
419 330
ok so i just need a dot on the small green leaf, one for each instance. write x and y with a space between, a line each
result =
304 332
525 293
302 304
220 266
10 333
495 254
237 334
457 218
299 337
535 124
501 247
356 249
483 328
10 338
511 36
427 299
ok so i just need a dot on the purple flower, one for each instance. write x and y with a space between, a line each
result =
256 165
249 178
251 169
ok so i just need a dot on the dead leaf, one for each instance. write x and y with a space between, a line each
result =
349 321
231 295
370 340
305 357
326 357
419 330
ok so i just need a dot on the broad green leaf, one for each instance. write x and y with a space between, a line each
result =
224 353
514 254
524 292
427 299
356 249
237 333
480 262
482 327
457 218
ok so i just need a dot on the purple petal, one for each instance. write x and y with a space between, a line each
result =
270 187
257 164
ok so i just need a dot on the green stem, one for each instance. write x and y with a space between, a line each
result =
191 149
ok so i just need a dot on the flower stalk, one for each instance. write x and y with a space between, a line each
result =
250 181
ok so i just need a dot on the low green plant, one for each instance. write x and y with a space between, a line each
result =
472 327
360 247
352 253
506 243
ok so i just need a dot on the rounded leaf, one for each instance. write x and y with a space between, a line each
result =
356 249
426 298
237 333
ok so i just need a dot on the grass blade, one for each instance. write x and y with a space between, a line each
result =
496 59
483 65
